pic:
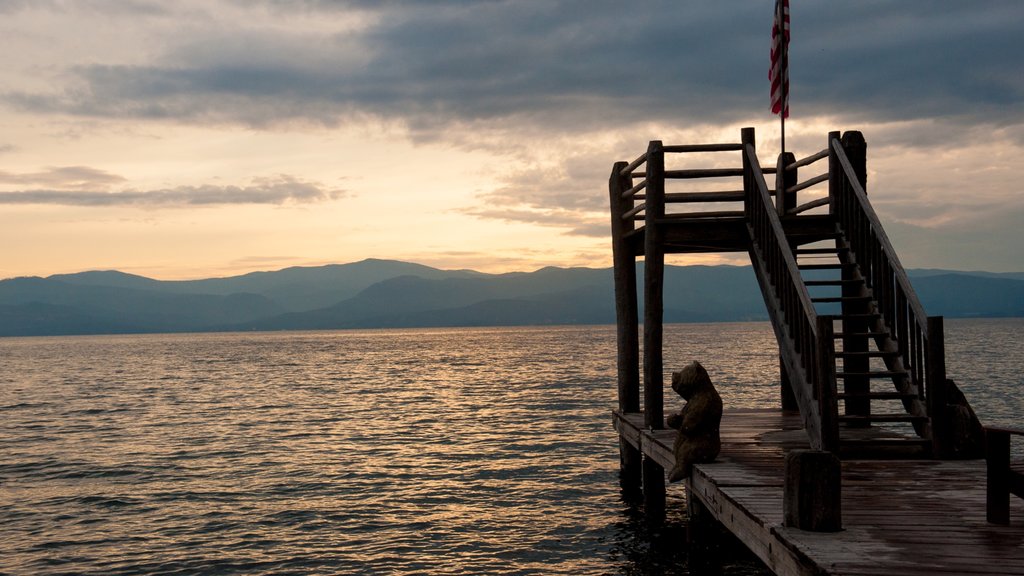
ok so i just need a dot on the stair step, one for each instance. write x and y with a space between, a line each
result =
835 282
867 354
824 266
825 299
859 316
807 234
801 251
697 215
879 374
876 396
882 418
862 444
839 335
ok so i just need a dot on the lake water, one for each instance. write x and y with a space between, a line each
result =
455 451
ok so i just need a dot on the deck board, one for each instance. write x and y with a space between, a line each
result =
899 516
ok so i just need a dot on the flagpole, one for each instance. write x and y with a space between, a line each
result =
783 73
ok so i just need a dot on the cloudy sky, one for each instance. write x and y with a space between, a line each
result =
214 137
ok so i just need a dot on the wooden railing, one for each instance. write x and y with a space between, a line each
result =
792 186
796 322
646 190
920 338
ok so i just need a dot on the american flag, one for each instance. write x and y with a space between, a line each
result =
778 73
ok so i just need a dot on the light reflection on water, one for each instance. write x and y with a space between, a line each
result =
461 451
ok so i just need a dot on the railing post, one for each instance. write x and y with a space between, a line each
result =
747 137
835 178
628 344
626 314
997 489
784 180
857 152
937 392
825 384
654 276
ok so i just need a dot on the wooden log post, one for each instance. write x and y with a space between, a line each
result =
857 152
654 277
812 491
654 492
784 180
937 393
858 387
628 343
836 179
825 385
783 202
997 489
1003 479
704 537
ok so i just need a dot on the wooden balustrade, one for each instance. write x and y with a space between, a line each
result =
919 338
798 324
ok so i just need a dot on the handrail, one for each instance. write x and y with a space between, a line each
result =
809 206
861 198
634 164
808 183
790 293
632 191
822 154
920 338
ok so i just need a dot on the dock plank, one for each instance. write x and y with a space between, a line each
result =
912 517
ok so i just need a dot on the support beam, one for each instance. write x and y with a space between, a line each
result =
626 315
654 278
654 492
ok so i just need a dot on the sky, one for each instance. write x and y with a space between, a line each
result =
202 138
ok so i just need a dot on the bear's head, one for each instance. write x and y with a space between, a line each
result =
690 379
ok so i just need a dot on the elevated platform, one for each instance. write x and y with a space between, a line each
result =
902 517
699 233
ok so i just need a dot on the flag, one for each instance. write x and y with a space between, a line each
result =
778 73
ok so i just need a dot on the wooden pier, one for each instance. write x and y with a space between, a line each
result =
873 462
900 517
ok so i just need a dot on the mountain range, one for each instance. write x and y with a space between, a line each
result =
390 294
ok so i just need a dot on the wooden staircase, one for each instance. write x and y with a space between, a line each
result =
861 361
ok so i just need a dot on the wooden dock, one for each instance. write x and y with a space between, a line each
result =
871 436
900 517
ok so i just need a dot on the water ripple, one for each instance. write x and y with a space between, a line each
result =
477 451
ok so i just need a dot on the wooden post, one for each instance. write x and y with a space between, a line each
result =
857 152
786 388
835 179
783 181
937 393
825 384
703 537
654 278
654 492
628 343
812 491
625 293
997 489
855 149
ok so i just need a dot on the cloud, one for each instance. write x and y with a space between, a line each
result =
278 190
63 177
568 64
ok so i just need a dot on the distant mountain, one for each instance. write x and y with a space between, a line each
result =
382 293
295 289
36 306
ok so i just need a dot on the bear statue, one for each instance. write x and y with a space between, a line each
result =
697 423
